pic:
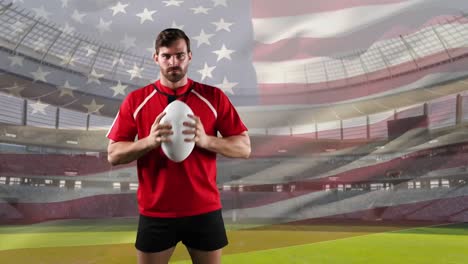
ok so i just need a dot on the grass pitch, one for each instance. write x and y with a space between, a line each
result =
111 241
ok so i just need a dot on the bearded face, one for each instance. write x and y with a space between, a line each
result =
174 61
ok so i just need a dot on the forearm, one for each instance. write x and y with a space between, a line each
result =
126 152
233 147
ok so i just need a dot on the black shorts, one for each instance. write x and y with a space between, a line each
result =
202 232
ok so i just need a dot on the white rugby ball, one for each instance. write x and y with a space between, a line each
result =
176 114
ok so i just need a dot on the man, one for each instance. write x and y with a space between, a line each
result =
177 201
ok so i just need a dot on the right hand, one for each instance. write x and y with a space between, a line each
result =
159 132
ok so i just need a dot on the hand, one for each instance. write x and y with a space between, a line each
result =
159 132
197 130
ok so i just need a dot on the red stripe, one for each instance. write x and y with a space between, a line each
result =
98 206
401 69
277 8
297 145
440 210
303 48
331 92
55 164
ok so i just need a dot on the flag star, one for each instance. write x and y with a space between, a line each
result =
89 51
64 91
67 29
15 89
67 89
135 72
38 107
67 59
174 25
200 9
64 3
94 77
68 86
146 15
227 86
78 17
119 89
16 60
173 3
41 12
40 75
118 8
223 53
219 2
206 71
103 26
93 107
203 38
128 42
222 25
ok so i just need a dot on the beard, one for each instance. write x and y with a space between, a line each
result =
174 74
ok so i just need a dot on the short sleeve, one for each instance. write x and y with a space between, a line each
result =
124 126
228 121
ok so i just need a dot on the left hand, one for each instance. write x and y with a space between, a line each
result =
197 130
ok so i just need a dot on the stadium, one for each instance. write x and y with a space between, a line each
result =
359 153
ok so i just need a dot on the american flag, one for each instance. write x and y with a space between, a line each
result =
259 52
70 58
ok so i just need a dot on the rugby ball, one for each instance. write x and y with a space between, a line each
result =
176 114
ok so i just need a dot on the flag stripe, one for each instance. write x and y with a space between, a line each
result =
318 25
376 35
316 94
277 8
315 76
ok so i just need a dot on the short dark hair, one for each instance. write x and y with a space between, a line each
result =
169 36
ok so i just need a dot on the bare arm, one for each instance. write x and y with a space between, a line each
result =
237 146
123 152
234 146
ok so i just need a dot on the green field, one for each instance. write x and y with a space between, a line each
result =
111 241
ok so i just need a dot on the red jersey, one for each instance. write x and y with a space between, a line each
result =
166 188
